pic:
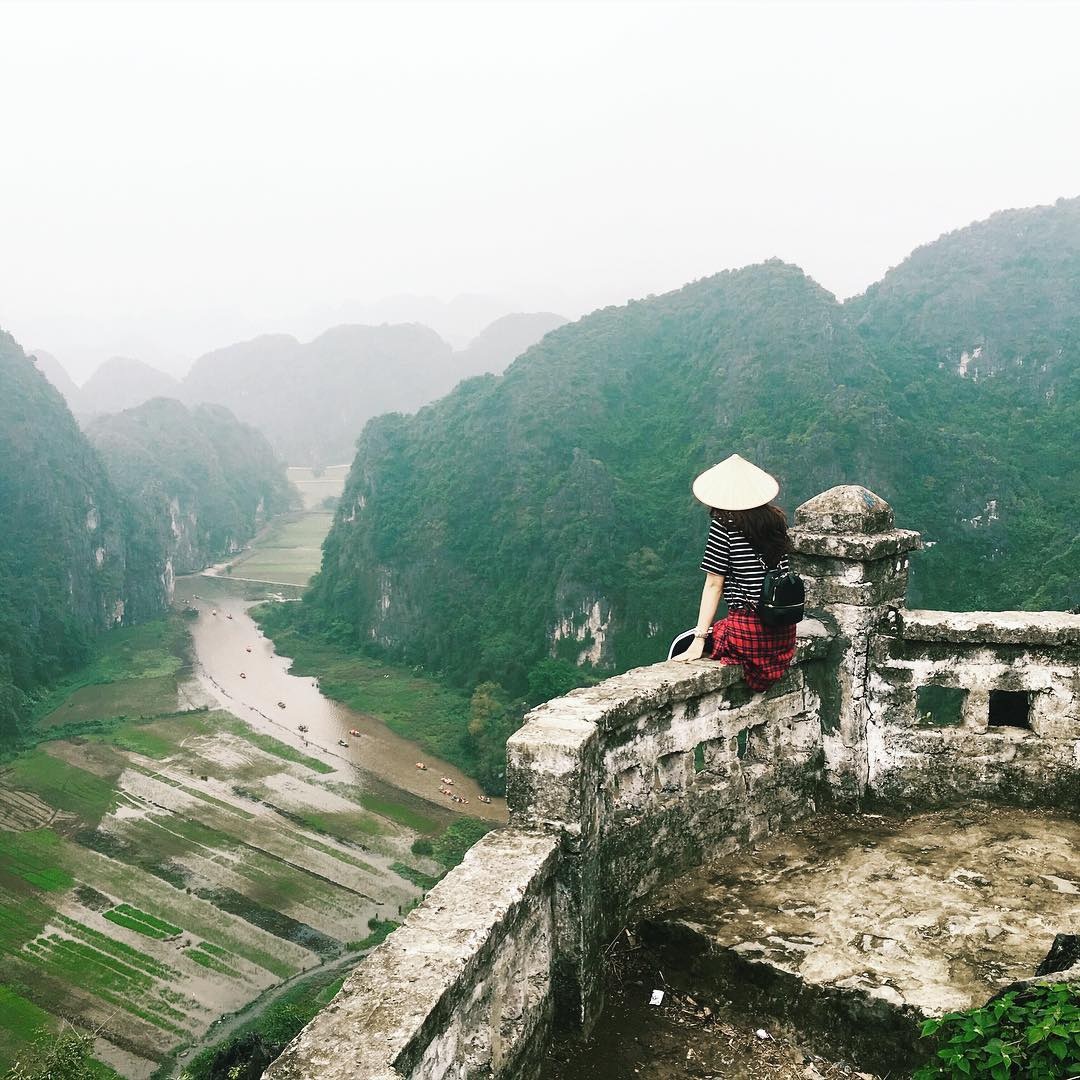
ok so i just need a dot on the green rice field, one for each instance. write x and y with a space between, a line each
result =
289 551
161 868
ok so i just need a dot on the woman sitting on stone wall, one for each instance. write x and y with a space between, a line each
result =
747 537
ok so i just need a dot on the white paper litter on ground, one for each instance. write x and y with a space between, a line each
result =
657 997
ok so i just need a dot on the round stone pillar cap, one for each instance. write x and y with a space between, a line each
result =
845 509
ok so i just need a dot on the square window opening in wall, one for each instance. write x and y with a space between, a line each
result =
940 706
1010 708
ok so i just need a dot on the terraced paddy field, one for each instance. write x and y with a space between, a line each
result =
288 553
163 870
314 487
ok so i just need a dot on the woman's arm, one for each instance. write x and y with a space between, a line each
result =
710 600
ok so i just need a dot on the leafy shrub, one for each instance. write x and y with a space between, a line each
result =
1031 1034
460 835
58 1057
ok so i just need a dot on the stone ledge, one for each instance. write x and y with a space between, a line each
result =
883 545
389 1000
642 690
991 627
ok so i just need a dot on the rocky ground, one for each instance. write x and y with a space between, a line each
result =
682 1037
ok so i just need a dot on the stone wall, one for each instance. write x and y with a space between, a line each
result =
463 989
612 790
883 733
988 671
646 774
618 788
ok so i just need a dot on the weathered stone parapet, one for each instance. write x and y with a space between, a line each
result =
642 774
870 548
553 758
976 704
462 989
618 788
845 510
1028 628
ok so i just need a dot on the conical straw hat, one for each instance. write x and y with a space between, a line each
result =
735 484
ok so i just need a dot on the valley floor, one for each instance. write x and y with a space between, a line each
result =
168 869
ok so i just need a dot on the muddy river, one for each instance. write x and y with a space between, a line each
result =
237 667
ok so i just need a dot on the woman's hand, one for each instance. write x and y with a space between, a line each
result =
711 593
697 647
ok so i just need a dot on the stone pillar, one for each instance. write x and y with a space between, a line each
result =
553 784
855 565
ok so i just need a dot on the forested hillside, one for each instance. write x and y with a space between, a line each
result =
196 482
94 526
548 512
979 334
63 570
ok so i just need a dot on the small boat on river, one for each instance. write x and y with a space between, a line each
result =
281 704
342 742
353 731
242 675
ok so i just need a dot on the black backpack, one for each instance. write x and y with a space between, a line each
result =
783 596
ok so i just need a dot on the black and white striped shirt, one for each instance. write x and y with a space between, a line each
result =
728 552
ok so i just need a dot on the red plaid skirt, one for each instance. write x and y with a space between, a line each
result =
764 651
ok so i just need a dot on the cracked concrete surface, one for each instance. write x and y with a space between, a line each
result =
935 911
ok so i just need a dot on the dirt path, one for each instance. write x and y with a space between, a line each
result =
227 1026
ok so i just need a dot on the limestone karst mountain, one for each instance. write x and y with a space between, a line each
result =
312 400
979 335
547 513
94 525
63 549
121 383
196 482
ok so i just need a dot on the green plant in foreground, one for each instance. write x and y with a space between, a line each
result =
58 1057
1033 1034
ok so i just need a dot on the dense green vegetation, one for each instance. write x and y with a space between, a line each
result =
992 474
525 524
1032 1034
95 528
261 1039
63 556
197 483
66 1056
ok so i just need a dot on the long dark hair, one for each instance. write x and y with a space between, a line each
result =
764 526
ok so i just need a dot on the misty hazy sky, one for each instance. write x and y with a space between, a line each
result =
174 177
